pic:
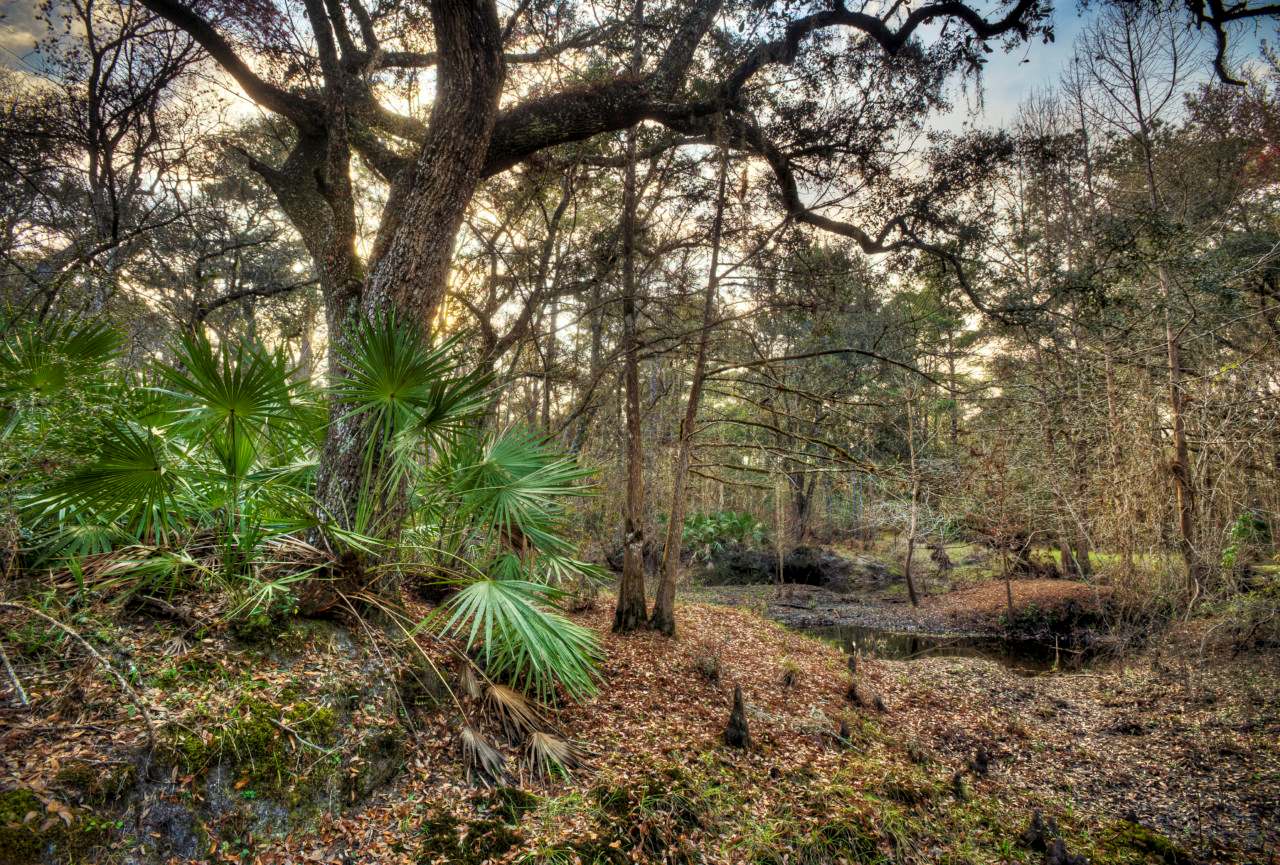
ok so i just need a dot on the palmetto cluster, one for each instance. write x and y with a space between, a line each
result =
200 470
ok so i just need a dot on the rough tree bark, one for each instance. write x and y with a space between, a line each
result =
413 250
630 612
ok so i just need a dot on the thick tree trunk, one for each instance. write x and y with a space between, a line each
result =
409 269
663 618
630 613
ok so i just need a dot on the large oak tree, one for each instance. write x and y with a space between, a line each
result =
331 68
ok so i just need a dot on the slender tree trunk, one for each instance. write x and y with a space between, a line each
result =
549 360
915 508
587 411
1179 465
630 613
911 542
663 618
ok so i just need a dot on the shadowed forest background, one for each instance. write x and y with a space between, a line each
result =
647 432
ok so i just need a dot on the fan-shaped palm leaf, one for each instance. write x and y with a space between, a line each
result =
520 640
234 393
548 755
132 482
482 761
40 359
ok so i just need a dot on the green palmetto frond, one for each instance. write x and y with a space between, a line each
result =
41 359
76 537
133 482
238 395
397 383
410 397
41 363
521 640
516 486
556 569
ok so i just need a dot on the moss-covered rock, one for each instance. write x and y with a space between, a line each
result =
29 834
446 840
97 785
378 758
260 740
1123 838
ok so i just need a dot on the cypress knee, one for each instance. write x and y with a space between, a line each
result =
736 734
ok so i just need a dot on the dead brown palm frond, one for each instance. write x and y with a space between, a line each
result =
175 647
513 709
483 762
289 546
547 755
469 681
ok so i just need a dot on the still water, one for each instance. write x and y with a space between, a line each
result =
1023 656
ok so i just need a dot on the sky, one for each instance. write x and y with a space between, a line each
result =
17 26
1009 78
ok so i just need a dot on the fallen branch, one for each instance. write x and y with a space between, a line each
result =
168 610
97 656
302 739
13 677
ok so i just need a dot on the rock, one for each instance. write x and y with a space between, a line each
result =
740 565
172 826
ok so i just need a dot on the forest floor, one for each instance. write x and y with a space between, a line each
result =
291 750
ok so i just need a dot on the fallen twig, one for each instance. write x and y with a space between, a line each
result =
13 677
97 656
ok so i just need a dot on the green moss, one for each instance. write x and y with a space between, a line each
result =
21 842
251 739
24 843
192 671
95 784
263 624
653 814
511 803
446 839
1125 837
